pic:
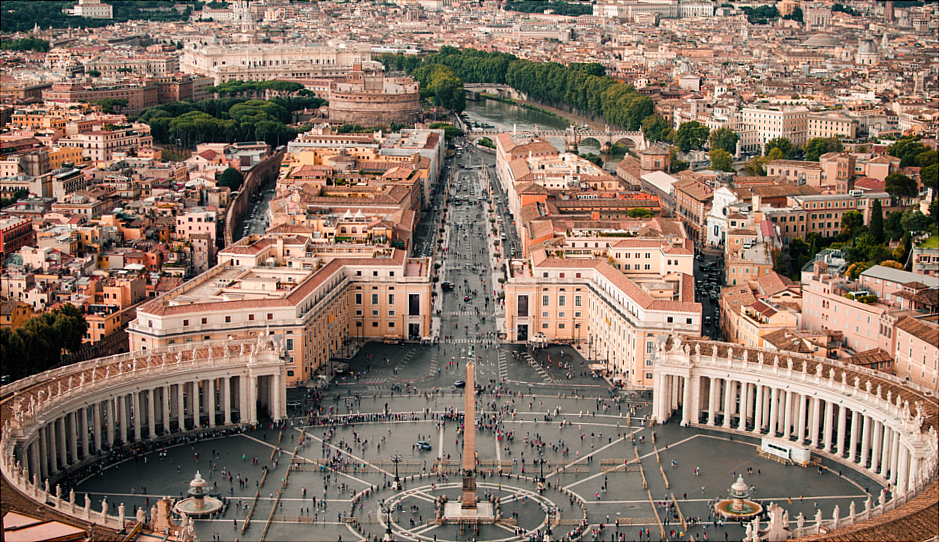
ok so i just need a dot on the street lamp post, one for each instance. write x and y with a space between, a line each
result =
389 536
396 458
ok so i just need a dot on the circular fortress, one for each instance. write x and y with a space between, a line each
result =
366 97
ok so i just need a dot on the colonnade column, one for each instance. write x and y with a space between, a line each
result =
34 452
816 415
181 406
120 419
73 433
674 391
243 398
196 404
886 449
865 440
695 385
787 419
109 428
226 382
758 409
895 457
210 390
773 411
903 471
802 415
855 431
151 413
253 399
877 446
686 403
60 439
829 421
96 424
138 419
43 454
82 428
712 400
166 409
729 392
842 426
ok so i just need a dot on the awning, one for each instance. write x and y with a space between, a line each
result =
596 367
617 379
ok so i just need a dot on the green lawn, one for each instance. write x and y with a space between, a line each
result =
933 241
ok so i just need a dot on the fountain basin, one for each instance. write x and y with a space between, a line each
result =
744 509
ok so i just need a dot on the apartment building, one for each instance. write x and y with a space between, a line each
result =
916 357
316 305
618 322
101 145
693 197
831 124
796 171
154 65
790 122
138 96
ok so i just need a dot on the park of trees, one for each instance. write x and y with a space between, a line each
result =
39 344
23 15
227 119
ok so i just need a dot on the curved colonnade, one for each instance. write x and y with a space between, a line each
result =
867 420
62 420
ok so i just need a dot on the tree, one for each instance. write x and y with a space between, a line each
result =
450 131
893 229
640 212
232 178
38 345
724 138
900 186
851 222
93 73
691 135
111 105
907 149
26 44
930 177
755 166
818 146
783 144
877 221
866 249
655 128
775 154
721 160
915 220
676 164
795 15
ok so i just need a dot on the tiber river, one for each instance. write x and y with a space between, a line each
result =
503 116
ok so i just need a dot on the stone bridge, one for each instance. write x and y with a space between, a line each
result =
572 139
473 90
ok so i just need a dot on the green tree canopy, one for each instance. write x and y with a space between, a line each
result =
818 146
26 44
755 166
450 130
93 73
866 249
691 135
915 220
899 186
907 149
877 221
441 82
38 345
655 128
721 160
231 178
893 227
852 222
640 212
785 146
111 105
724 138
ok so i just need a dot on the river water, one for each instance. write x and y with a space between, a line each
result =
506 117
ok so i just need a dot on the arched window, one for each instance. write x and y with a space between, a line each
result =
355 230
342 229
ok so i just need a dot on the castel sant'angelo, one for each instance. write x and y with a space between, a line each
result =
367 97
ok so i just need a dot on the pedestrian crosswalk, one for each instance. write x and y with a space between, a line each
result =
503 369
468 313
537 366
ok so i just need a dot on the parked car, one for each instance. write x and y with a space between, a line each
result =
423 445
459 384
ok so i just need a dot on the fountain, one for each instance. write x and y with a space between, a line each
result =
198 504
738 507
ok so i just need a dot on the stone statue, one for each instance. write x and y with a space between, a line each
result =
107 371
104 506
867 504
714 350
899 400
857 382
759 358
697 349
45 485
878 391
242 351
749 530
805 367
818 370
835 517
882 498
120 512
776 361
141 516
818 517
87 503
852 510
789 363
831 374
71 496
868 386
889 396
730 353
179 357
800 521
844 378
746 356
94 374
164 358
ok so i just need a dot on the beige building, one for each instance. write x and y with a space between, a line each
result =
917 354
101 145
317 304
790 122
617 321
831 124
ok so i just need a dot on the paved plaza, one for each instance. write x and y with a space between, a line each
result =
602 464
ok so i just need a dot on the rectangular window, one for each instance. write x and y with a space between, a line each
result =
391 324
374 299
289 344
687 320
650 347
544 326
562 300
669 319
545 300
358 299
228 319
414 304
391 299
205 321
374 312
578 301
270 316
560 326
391 313
562 314
577 315
522 306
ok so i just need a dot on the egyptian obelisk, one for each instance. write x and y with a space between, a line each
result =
468 504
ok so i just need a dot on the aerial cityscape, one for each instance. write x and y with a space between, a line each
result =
234 232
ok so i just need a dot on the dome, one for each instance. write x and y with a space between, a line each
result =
820 41
866 47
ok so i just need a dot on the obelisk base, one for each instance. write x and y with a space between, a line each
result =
483 511
469 493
